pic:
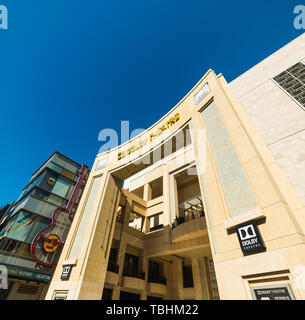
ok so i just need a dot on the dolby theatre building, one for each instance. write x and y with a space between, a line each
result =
208 203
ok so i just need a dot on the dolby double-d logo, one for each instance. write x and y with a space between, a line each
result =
247 232
249 238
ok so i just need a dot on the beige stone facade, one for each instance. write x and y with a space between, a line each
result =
160 214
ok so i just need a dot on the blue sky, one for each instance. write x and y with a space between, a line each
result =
64 61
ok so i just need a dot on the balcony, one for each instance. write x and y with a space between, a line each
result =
112 276
156 284
133 280
188 210
190 229
191 222
134 274
157 279
187 217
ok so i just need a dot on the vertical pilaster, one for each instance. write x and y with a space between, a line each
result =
143 263
147 192
197 279
122 249
166 196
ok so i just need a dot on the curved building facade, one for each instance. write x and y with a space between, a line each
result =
196 207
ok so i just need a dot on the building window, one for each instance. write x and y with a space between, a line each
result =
130 265
47 196
187 274
10 246
213 280
53 182
156 222
155 272
292 81
107 294
135 221
112 265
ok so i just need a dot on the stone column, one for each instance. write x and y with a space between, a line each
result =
121 251
197 279
147 192
143 266
166 197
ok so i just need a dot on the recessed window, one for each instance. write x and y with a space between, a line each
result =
187 274
156 222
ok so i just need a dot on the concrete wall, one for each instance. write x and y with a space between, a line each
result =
277 117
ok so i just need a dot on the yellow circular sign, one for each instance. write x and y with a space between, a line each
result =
51 181
51 243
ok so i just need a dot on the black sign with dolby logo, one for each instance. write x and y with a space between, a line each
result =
65 275
249 238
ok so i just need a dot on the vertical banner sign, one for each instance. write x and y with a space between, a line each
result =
249 239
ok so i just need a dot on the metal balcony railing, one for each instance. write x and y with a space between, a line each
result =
158 227
134 274
187 217
155 278
189 210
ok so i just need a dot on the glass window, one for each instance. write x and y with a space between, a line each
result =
213 280
48 181
153 269
61 186
107 294
40 223
156 222
7 227
187 274
54 183
65 163
113 255
292 81
23 224
33 184
47 196
10 246
130 265
55 167
61 171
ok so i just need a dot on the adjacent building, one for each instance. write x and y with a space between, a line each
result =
34 228
207 203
